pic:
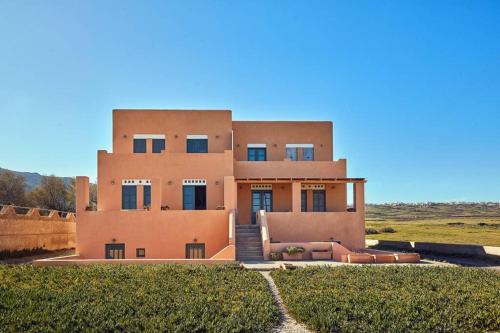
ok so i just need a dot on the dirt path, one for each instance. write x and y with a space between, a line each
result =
287 323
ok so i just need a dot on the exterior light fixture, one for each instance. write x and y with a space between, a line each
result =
275 145
216 136
195 240
169 182
216 182
176 136
124 136
112 182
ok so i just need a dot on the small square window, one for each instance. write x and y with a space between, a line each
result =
291 154
139 145
158 145
140 252
308 154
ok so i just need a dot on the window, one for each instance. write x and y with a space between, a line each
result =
197 144
195 251
140 252
129 197
114 251
158 145
194 197
139 145
291 153
147 195
307 154
319 202
256 154
303 200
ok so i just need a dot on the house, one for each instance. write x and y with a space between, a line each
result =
195 184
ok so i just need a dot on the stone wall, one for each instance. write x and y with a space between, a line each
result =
31 228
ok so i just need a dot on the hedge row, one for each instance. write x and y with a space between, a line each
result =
134 299
393 299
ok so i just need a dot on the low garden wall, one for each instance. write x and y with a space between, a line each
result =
31 228
439 248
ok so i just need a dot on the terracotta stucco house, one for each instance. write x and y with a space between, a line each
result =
196 184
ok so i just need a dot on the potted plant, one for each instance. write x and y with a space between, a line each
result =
293 253
321 254
275 256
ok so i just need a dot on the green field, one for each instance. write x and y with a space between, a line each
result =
392 299
441 230
134 298
461 223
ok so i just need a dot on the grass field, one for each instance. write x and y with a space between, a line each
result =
462 223
134 298
441 231
392 299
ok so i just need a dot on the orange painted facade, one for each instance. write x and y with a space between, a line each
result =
156 200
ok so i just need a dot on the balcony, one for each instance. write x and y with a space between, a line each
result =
289 169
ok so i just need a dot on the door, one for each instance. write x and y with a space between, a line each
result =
319 201
261 200
115 251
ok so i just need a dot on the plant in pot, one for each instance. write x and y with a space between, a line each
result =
293 253
275 256
321 254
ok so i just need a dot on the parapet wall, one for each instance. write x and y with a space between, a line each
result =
31 228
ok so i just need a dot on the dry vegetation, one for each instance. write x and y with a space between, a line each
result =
468 223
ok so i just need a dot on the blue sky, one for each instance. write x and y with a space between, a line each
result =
413 87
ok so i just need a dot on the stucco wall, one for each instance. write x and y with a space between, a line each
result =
163 234
18 232
171 168
347 227
175 125
279 133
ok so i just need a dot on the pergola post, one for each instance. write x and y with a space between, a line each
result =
296 197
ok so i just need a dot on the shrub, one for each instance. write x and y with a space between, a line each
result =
275 256
371 231
291 250
388 230
458 224
6 254
134 298
392 299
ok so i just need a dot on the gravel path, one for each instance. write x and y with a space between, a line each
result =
287 323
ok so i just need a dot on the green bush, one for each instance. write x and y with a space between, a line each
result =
291 250
371 231
133 298
275 256
393 299
388 230
6 254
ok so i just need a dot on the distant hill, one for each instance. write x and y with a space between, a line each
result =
431 210
33 179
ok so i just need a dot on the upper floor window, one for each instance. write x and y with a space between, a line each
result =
139 145
293 150
129 197
158 145
146 195
291 153
308 154
257 152
197 144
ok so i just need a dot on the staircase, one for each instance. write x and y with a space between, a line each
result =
248 243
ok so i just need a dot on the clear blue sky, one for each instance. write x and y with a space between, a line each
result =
413 87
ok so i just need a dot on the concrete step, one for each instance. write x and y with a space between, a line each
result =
250 252
250 258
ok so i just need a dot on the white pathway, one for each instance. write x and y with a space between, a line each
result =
287 324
